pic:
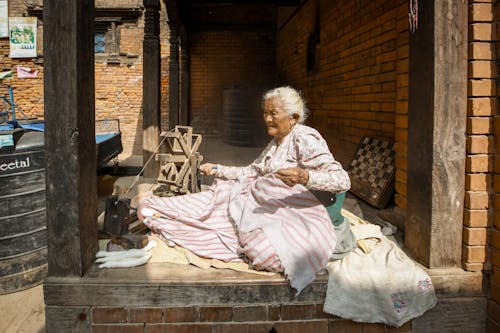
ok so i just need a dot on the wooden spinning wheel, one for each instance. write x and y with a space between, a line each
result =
179 164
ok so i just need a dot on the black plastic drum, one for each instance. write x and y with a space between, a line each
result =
23 227
243 121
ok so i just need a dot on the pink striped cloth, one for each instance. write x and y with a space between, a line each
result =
296 224
275 227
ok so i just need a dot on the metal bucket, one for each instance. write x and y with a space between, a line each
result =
23 227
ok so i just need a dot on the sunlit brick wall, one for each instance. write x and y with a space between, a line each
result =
484 135
359 86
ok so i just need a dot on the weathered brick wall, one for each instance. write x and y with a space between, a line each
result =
482 161
360 84
222 58
253 318
118 91
28 93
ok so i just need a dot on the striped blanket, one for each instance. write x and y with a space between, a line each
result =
275 227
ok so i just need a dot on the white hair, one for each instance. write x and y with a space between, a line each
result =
292 100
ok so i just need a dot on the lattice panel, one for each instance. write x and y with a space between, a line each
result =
372 172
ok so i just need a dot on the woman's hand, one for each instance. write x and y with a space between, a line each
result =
293 176
208 169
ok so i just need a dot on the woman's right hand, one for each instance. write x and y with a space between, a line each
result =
208 169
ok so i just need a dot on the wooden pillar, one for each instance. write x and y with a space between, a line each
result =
70 148
151 86
184 79
173 78
436 133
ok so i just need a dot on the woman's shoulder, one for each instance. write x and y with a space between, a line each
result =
304 132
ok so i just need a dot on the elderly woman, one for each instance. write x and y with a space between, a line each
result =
276 213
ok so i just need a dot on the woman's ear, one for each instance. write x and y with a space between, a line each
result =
295 117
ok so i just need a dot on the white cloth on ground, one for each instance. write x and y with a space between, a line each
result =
127 258
382 286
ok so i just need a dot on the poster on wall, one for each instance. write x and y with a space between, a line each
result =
4 19
22 35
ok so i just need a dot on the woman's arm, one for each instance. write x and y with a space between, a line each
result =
324 172
234 172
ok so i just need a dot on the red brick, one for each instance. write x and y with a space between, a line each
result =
297 311
474 254
179 328
481 88
481 32
473 267
320 314
481 12
215 313
482 69
180 314
273 312
481 106
109 315
478 163
118 328
381 328
474 236
479 125
479 144
242 328
478 181
320 326
476 218
476 200
145 315
250 313
346 326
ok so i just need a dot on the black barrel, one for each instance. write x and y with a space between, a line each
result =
242 114
23 227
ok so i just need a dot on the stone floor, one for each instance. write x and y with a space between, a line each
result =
24 311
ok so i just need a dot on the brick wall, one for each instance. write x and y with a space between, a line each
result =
360 84
488 13
286 318
118 86
482 196
28 93
225 58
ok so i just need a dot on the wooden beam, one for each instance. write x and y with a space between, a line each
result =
151 86
184 78
436 133
70 135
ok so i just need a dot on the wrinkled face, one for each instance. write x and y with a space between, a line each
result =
279 123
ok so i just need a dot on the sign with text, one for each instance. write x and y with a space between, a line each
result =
22 35
4 19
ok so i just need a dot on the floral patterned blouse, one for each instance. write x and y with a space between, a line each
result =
303 147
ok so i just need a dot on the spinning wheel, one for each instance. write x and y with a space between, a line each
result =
179 164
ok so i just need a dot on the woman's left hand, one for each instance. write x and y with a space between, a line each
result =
293 176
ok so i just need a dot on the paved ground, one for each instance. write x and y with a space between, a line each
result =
23 311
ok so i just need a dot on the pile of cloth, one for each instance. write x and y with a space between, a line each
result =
377 282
